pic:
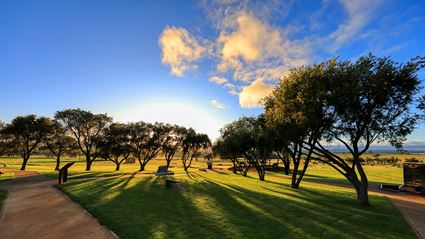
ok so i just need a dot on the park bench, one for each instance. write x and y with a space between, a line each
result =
414 179
163 170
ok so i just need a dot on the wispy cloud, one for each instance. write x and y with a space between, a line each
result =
217 80
218 105
359 13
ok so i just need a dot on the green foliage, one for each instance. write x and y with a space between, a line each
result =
191 144
114 145
245 137
87 128
24 134
352 103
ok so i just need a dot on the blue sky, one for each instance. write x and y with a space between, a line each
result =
196 63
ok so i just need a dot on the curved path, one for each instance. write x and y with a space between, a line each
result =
34 208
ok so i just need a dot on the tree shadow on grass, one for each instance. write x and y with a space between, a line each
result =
207 206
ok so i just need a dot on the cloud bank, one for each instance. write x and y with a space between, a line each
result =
251 54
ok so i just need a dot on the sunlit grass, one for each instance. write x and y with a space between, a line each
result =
218 205
213 205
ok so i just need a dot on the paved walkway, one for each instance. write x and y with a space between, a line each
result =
34 208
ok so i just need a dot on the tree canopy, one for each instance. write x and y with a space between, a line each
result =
26 134
350 103
87 128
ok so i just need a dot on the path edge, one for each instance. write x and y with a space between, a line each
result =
405 218
3 205
55 186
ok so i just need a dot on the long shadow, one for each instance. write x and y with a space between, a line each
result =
208 206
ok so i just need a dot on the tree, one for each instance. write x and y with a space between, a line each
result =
87 128
26 133
246 137
3 140
59 142
146 140
295 113
361 102
224 147
172 141
115 144
191 144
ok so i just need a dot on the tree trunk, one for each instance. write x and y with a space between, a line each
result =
234 166
301 174
244 171
58 161
117 167
261 173
362 195
362 191
142 166
168 163
286 163
24 162
88 162
294 175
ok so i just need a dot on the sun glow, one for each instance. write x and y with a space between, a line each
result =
183 114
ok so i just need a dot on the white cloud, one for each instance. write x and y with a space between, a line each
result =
217 80
251 95
252 49
252 52
218 105
179 50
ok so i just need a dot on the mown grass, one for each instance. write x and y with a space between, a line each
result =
221 205
214 205
6 176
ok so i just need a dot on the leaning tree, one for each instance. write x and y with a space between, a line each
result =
26 133
296 117
59 142
115 144
363 102
191 144
87 128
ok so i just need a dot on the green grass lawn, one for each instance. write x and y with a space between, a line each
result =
213 205
217 205
7 176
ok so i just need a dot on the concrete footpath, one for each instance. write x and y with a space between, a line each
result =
34 208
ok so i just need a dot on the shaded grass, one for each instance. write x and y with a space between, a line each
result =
212 205
7 176
215 205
